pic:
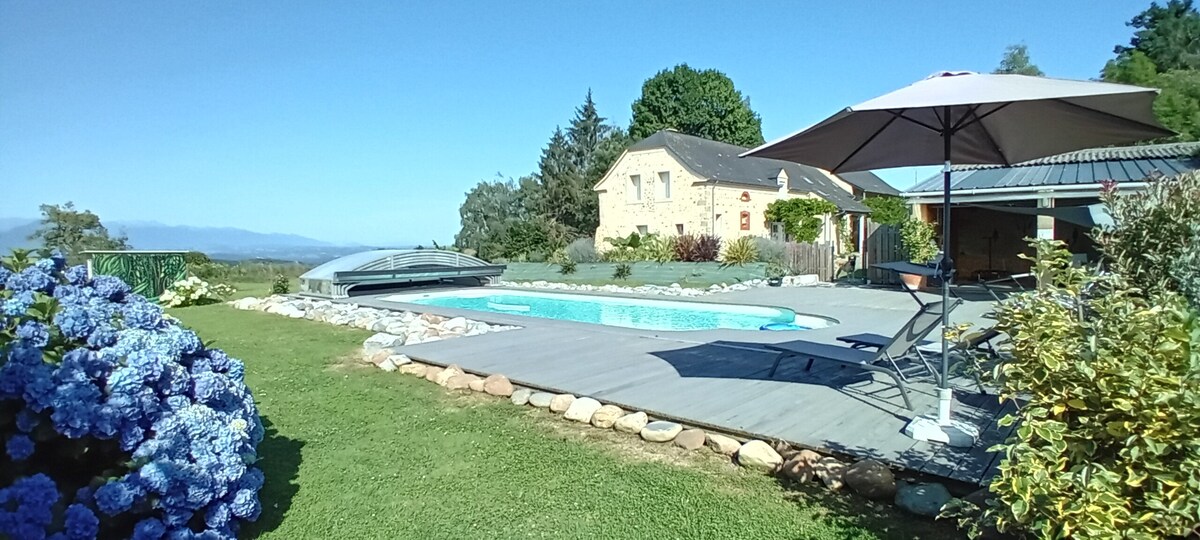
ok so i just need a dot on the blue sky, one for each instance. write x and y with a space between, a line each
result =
367 121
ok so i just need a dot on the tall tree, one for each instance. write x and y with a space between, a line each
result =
1016 62
1168 35
563 200
1178 104
74 231
485 212
1135 68
1164 52
702 103
593 147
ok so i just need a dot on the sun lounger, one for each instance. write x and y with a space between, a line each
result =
924 322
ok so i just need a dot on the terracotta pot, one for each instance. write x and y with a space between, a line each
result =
912 282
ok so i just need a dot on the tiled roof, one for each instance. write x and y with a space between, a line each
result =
1090 166
719 161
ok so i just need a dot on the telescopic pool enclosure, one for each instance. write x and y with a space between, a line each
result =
386 267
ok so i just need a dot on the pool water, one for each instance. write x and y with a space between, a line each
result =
645 314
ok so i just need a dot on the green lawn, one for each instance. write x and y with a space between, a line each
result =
353 452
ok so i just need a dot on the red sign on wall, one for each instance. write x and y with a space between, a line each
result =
745 196
745 221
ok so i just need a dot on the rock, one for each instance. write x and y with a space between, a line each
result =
521 397
831 472
690 439
498 385
399 359
871 479
922 499
476 385
721 444
431 319
800 466
387 365
445 374
631 423
582 409
660 431
413 369
249 302
459 382
377 357
381 341
561 403
759 456
541 399
396 327
456 325
606 416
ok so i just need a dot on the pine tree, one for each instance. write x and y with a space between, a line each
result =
561 179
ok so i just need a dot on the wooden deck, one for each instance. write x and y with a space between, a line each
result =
718 380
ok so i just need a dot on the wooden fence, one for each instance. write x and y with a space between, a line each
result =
808 258
883 245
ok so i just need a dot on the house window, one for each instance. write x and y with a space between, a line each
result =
679 229
664 182
642 230
635 187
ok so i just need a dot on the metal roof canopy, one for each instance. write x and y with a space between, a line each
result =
1072 170
336 278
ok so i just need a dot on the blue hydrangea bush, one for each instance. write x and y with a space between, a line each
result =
117 422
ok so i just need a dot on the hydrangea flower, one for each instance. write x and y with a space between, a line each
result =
107 365
19 447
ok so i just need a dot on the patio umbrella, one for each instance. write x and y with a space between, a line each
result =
969 118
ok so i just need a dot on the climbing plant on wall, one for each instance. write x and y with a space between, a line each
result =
801 218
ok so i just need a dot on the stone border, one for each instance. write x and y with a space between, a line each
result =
868 477
674 289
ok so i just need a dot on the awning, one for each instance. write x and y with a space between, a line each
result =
1094 215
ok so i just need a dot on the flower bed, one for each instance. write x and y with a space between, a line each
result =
117 422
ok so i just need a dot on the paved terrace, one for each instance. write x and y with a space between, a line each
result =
717 379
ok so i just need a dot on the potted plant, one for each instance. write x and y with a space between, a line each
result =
775 272
917 238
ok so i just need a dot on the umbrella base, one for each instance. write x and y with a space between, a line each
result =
956 434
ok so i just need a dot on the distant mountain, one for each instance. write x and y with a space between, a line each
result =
225 243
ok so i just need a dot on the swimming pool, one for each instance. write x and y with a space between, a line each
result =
645 314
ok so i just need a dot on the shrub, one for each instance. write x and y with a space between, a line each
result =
622 271
582 250
702 248
917 238
566 268
741 251
194 291
1105 446
281 285
660 249
117 421
708 248
802 218
685 247
770 250
888 210
1156 233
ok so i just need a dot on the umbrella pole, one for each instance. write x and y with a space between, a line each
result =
941 427
945 396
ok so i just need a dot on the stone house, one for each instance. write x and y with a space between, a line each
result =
672 184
